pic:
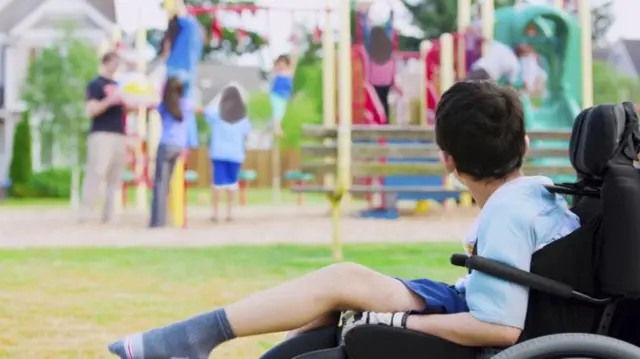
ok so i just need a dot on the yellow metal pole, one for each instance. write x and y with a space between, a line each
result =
425 47
558 4
584 15
329 82
177 189
344 128
487 15
464 21
116 37
141 119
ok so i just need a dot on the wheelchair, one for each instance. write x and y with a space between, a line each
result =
584 296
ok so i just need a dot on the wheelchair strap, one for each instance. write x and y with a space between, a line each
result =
474 251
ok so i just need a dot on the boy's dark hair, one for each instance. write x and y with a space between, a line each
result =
171 97
108 57
285 59
170 35
481 126
232 107
380 46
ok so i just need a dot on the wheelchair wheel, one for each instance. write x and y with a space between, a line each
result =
573 345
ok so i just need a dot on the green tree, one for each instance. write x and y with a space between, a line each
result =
612 86
54 89
21 169
435 17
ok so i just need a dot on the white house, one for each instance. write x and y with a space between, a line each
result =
624 56
26 26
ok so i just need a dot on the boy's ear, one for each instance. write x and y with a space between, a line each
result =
526 144
447 162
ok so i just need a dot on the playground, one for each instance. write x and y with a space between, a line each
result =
367 188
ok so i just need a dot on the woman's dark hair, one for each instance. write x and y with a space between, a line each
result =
172 96
170 36
481 126
232 107
380 46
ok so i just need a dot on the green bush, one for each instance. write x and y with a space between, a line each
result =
53 183
21 169
302 110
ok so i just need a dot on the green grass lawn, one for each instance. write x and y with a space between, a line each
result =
196 196
68 303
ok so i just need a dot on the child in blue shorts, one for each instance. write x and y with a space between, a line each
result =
230 128
480 131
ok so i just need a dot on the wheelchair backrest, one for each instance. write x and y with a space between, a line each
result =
604 145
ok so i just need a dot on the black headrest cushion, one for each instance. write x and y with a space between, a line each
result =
598 133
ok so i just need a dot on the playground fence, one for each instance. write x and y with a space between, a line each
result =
257 160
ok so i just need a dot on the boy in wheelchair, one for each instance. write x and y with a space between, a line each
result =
480 130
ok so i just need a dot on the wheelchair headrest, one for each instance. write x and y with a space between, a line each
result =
600 133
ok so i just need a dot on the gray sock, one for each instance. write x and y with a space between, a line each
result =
193 338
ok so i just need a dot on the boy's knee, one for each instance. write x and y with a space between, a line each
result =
346 271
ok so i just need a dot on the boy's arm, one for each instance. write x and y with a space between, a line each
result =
464 329
365 28
388 26
497 308
192 130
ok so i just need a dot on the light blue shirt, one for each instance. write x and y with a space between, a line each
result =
179 133
227 140
187 49
520 218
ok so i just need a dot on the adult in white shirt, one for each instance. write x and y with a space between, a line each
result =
534 77
500 62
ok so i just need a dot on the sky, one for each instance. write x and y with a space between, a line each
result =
281 23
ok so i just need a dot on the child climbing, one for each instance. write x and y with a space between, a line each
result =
281 90
501 61
534 77
381 67
182 47
179 133
230 128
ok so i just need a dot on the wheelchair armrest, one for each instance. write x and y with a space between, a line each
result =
524 278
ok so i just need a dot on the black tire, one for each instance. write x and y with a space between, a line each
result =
571 346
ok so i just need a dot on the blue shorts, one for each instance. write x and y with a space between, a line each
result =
225 174
439 298
278 107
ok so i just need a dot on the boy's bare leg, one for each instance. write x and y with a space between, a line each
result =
230 198
215 199
288 306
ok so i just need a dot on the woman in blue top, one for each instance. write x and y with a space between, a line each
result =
182 47
230 128
281 90
179 132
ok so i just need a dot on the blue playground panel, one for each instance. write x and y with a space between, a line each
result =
391 211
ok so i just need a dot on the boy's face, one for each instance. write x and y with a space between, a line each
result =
281 65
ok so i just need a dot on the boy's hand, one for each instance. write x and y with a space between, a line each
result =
352 319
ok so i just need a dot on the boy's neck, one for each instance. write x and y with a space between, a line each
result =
482 190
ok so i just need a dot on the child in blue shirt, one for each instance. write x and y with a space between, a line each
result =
182 47
481 133
281 90
230 128
179 133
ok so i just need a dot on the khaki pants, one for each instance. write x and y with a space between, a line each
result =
106 159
